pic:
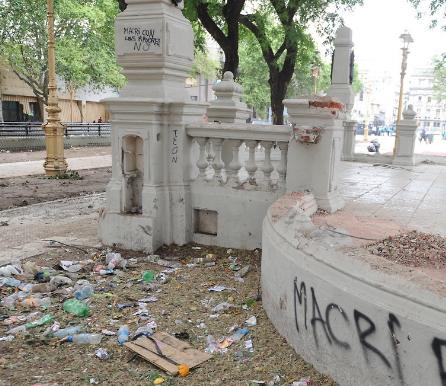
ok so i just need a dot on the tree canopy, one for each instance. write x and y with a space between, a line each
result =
84 31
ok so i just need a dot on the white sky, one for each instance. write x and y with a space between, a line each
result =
377 26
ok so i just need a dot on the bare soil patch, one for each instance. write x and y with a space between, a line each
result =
184 306
27 190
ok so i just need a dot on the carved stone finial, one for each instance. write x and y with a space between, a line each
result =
409 113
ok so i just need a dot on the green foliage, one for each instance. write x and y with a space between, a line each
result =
204 65
84 31
435 10
439 64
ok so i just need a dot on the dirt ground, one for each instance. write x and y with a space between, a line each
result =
27 190
184 304
74 152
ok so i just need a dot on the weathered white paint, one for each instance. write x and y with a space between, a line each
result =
152 111
358 325
314 167
405 146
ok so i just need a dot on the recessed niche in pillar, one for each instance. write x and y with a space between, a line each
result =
133 172
205 221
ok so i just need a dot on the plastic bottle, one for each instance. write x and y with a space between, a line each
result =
64 332
83 292
84 338
40 322
76 307
148 276
123 334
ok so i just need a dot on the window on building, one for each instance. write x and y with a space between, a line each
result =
35 112
420 98
427 124
429 99
12 111
194 97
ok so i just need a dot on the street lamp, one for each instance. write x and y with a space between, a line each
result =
315 73
406 39
55 163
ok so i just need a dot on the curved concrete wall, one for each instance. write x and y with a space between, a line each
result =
358 325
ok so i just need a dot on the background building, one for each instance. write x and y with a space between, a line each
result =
19 104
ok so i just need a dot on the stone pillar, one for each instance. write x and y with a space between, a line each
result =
228 107
405 148
314 166
341 88
348 147
148 197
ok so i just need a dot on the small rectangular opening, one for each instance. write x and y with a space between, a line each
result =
205 221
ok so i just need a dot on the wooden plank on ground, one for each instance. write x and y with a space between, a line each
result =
173 352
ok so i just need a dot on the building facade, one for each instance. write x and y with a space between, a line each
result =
19 104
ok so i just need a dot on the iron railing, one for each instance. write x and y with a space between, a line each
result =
34 129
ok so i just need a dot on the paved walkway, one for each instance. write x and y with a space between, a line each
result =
412 197
16 169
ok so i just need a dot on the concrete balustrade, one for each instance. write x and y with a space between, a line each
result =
406 137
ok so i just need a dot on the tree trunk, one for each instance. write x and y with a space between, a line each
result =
278 87
42 105
231 59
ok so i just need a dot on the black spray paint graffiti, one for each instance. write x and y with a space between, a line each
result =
365 329
174 149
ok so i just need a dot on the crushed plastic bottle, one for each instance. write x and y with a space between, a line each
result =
40 322
9 270
76 307
302 382
9 281
115 260
83 290
123 334
64 332
60 281
84 338
148 276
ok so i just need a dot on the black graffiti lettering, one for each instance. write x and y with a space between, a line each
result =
302 295
363 334
437 345
333 306
391 323
319 318
174 159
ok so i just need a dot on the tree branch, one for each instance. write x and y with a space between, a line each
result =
210 25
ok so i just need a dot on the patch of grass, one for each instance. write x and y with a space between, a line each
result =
68 175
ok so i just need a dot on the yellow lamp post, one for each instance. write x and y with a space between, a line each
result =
315 73
55 163
407 39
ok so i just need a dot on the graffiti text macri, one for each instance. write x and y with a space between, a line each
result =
309 314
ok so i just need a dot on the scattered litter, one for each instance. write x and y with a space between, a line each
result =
70 266
221 307
123 334
84 338
149 299
251 322
93 381
219 288
183 370
9 282
108 332
256 383
64 332
302 382
148 276
159 381
155 259
76 307
102 353
249 346
235 337
196 248
7 338
167 352
243 272
162 278
10 270
184 335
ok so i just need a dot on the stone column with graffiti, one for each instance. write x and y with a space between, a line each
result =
341 86
314 152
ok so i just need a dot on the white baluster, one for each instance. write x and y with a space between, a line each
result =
218 165
267 167
234 166
202 162
250 165
283 146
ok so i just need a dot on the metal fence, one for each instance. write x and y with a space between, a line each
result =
34 129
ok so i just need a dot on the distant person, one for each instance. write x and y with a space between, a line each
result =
94 121
423 135
100 120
